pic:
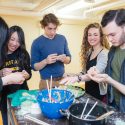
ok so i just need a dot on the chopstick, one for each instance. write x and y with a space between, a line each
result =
49 88
35 120
105 115
84 108
90 110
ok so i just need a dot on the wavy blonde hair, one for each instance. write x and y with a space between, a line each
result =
86 48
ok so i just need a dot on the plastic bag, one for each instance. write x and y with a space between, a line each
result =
23 95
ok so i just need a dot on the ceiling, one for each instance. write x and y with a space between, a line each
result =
59 7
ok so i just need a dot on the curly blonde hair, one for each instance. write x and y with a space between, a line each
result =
86 48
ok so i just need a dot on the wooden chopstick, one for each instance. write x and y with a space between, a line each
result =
48 88
105 115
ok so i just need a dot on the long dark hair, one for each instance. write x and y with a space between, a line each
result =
21 52
3 37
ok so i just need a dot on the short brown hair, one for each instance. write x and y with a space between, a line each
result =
49 18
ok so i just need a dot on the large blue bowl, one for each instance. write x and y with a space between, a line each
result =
62 100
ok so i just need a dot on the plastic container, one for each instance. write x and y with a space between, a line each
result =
61 99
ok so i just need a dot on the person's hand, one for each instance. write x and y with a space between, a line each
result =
104 78
52 58
25 74
69 80
93 71
61 57
14 78
6 71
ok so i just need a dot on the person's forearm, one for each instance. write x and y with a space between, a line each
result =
40 65
67 60
117 85
85 78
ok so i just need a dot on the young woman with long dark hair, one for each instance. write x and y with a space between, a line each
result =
16 59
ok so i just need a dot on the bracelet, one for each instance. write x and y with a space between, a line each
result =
79 78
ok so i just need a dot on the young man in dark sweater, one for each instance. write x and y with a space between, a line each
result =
113 24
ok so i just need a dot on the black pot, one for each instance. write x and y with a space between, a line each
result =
75 111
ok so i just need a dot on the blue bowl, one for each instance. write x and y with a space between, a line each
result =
61 99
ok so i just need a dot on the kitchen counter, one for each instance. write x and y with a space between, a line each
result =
13 119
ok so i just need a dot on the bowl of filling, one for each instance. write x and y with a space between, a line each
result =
77 91
51 103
